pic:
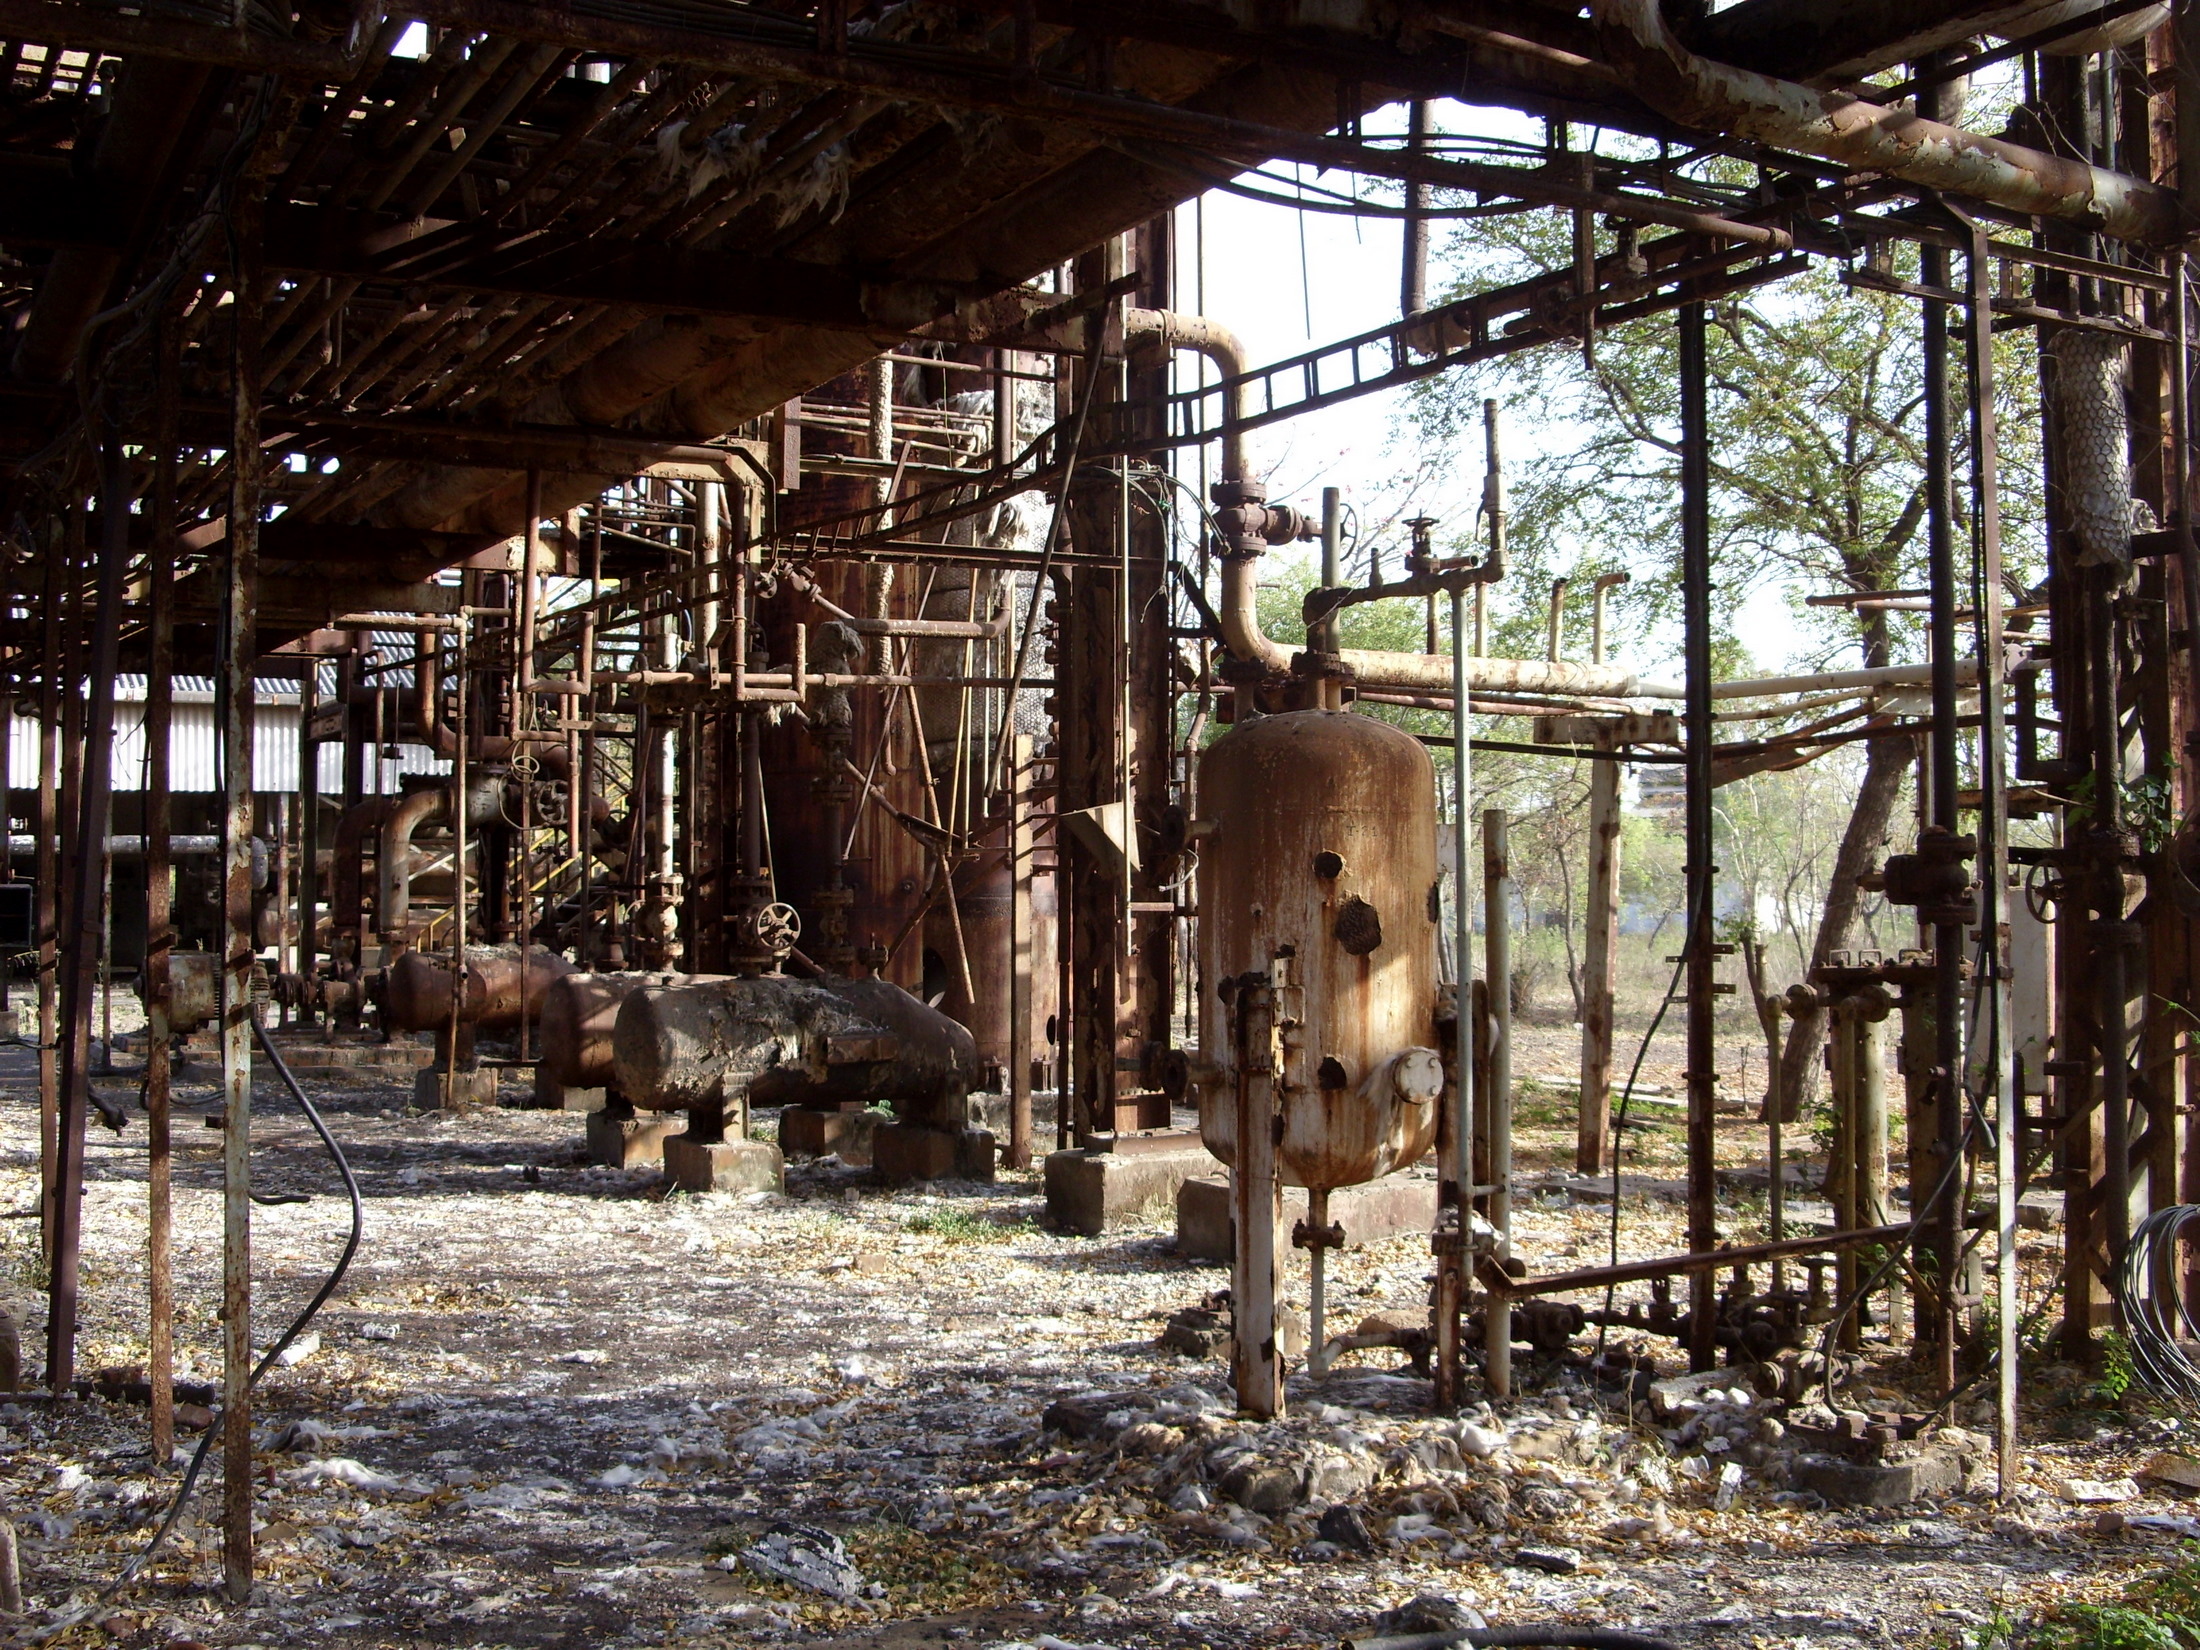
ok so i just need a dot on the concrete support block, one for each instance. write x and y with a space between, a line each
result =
1090 1192
548 1094
1391 1207
813 1131
468 1089
632 1142
905 1153
723 1165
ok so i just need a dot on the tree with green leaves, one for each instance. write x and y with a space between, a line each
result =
1818 470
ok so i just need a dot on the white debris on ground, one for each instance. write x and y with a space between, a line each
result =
553 1406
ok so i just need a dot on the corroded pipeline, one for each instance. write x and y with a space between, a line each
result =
791 1042
417 992
1717 97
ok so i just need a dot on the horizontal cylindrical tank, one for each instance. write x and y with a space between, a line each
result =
1318 868
417 992
794 1042
579 1012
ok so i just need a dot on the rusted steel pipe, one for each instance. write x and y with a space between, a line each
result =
792 1042
1709 1260
1898 142
393 863
1172 330
422 989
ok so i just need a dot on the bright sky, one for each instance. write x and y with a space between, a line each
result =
1257 283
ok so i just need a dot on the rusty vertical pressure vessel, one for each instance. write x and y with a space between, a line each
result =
1319 845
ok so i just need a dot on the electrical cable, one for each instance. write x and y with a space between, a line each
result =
136 1566
2158 1338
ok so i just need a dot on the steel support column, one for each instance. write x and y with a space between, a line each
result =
1702 1074
239 648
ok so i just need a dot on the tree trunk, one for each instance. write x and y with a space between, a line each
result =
1888 761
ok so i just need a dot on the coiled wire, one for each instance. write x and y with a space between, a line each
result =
2157 1321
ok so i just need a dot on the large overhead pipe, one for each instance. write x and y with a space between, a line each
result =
1717 97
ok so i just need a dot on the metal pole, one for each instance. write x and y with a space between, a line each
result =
523 721
1497 974
239 646
1018 780
1993 857
49 897
1455 1135
1599 966
1702 1075
86 910
160 1350
1940 524
1255 1196
1325 637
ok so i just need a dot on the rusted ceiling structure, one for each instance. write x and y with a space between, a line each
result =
574 236
336 331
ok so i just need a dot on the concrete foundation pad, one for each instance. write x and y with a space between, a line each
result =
548 1094
723 1165
467 1089
1088 1192
1390 1207
812 1131
905 1153
630 1143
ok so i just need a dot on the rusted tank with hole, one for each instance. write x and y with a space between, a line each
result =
580 1012
1318 847
419 987
792 1043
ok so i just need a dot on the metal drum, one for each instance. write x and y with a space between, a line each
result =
1318 848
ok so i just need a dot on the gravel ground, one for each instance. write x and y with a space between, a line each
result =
554 1406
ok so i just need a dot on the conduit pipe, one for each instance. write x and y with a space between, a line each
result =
393 866
1717 97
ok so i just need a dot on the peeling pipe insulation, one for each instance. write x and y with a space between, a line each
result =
1898 142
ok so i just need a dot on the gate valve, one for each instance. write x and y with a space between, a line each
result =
1248 524
1936 878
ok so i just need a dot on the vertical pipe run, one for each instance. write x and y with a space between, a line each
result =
239 648
523 722
1255 1195
48 897
1702 1075
1599 967
1497 973
1317 1282
1326 634
1993 857
1018 780
1946 1223
1413 279
1454 1238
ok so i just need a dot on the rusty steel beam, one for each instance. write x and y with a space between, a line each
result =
460 256
160 1354
995 87
239 649
84 912
108 28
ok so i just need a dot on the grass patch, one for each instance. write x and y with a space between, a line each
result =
2160 1612
955 1224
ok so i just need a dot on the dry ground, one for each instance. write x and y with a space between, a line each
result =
551 1406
